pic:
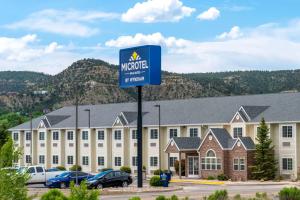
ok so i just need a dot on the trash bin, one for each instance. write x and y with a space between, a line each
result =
164 180
169 176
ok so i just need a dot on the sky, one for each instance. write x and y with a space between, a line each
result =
195 35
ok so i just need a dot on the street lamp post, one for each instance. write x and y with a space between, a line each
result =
76 137
31 143
159 155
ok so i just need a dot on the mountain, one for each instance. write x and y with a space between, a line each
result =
96 81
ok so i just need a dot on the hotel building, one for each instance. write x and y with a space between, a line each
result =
214 135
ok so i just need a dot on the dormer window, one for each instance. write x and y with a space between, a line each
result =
237 132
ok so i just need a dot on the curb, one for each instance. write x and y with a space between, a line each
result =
199 182
139 191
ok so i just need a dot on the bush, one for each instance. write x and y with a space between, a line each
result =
13 185
61 168
73 168
176 165
135 198
219 195
161 197
54 194
291 193
222 177
82 193
105 169
211 178
126 169
157 172
174 197
155 181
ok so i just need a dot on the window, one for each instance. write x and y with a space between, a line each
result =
70 135
28 159
85 160
31 170
287 163
39 170
211 162
42 159
42 136
55 159
118 135
85 135
173 132
101 161
118 161
134 161
28 136
100 135
70 160
16 136
287 131
237 132
134 134
193 132
55 135
239 164
172 161
153 134
153 161
236 164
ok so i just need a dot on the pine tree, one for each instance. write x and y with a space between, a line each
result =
265 165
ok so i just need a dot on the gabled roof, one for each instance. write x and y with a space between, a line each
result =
222 136
248 143
55 119
45 122
187 143
281 107
253 111
226 141
184 143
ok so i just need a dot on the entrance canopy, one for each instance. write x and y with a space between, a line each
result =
183 144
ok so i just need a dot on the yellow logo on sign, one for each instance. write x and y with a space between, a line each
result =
135 56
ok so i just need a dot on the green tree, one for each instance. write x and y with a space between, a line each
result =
82 193
8 154
264 159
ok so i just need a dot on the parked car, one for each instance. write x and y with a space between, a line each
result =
109 178
63 180
38 174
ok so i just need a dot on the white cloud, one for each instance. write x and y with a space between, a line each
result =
210 14
141 39
152 11
234 33
24 48
266 47
69 22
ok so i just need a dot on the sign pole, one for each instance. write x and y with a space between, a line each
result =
140 139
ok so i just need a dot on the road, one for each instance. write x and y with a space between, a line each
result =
196 191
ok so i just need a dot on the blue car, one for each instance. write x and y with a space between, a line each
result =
63 180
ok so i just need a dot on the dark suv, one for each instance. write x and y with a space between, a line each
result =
109 178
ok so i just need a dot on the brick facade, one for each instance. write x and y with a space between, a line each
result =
211 145
227 157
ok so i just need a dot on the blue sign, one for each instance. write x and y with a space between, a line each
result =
140 66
